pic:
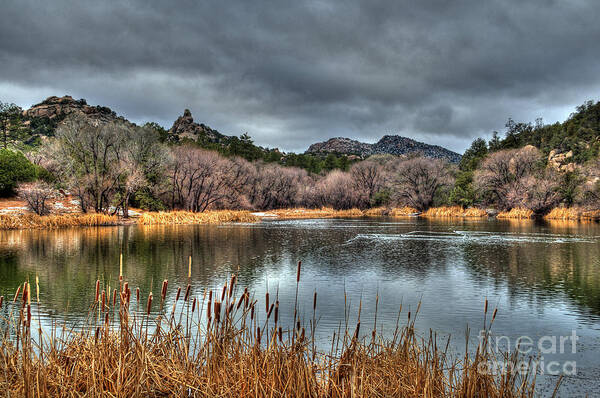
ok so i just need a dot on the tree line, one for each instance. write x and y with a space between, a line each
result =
112 166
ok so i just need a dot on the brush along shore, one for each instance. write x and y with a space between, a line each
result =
32 221
221 343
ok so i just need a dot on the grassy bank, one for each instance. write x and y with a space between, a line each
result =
222 343
187 217
32 221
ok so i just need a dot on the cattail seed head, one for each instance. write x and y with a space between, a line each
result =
178 294
137 294
187 292
270 311
298 271
106 319
1 301
267 302
217 311
486 307
315 301
223 292
17 294
163 292
37 288
121 266
252 312
114 300
103 300
190 267
276 311
280 333
494 315
149 305
28 315
193 305
24 296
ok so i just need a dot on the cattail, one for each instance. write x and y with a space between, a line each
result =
303 334
224 291
1 301
103 300
494 315
17 294
37 288
280 333
357 331
178 294
209 310
240 301
217 311
270 311
97 290
28 315
190 267
114 297
24 296
409 316
106 319
258 335
193 305
149 305
231 284
486 307
298 325
28 294
163 292
276 311
298 272
252 312
121 267
315 301
267 302
137 294
187 292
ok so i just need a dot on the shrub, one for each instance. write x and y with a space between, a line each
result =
37 195
14 169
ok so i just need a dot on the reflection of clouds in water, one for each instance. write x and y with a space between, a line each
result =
493 238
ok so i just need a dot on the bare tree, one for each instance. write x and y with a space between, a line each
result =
369 177
38 196
500 179
273 186
202 179
418 180
336 189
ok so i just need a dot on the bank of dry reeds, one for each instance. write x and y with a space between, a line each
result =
517 213
188 217
223 344
454 211
33 221
324 212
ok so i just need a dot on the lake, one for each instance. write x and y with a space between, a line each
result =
544 277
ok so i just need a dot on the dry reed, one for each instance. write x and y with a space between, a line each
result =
516 213
224 350
187 217
404 211
32 221
324 212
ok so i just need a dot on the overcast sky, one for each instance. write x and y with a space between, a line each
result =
293 73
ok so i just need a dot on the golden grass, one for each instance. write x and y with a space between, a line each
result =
590 215
516 213
223 344
564 213
32 221
454 211
324 212
403 211
187 217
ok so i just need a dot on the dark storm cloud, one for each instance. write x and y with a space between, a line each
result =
292 73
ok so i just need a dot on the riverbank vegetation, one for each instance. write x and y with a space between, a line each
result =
225 343
110 166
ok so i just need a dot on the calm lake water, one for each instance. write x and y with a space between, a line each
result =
544 278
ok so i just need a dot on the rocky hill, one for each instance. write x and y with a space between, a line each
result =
390 144
185 127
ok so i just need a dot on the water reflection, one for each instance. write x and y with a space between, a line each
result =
544 277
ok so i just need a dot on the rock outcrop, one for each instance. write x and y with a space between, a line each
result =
561 161
185 127
389 144
57 108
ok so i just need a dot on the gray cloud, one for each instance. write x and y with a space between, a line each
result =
295 73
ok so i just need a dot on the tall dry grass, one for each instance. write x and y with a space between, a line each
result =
324 212
564 213
221 344
188 217
516 213
33 221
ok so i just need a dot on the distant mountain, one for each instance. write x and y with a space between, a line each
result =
390 144
185 127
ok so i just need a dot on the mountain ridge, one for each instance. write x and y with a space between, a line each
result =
388 144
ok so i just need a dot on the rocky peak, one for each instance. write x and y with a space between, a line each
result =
561 161
59 107
341 145
184 127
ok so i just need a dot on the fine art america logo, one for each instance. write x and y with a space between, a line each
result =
530 354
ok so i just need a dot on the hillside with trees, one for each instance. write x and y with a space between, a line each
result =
110 164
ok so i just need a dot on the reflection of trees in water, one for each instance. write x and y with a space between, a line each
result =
541 270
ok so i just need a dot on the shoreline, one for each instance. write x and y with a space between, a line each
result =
32 221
